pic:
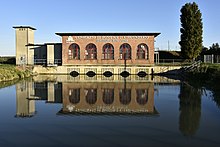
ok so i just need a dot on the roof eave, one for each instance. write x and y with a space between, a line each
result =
108 34
17 27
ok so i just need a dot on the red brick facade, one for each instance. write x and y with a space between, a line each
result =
79 42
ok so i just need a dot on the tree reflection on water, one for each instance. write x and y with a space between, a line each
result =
190 109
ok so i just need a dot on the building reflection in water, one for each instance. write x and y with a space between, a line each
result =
87 97
25 105
104 98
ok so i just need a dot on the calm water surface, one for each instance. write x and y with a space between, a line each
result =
57 112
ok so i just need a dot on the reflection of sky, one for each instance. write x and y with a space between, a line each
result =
7 102
167 103
48 129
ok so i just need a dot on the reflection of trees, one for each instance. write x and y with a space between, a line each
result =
213 86
207 77
190 109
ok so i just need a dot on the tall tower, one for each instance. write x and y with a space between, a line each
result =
24 53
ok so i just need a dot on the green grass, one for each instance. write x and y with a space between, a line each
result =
10 72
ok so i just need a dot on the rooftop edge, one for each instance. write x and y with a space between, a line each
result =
17 27
108 34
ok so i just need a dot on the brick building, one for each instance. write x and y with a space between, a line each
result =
84 52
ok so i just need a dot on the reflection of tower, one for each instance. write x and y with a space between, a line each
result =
24 103
190 109
24 36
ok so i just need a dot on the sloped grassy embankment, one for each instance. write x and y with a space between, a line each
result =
208 76
10 74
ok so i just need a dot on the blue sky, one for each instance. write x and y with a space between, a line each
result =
51 16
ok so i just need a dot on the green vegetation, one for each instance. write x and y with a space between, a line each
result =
11 72
169 55
171 58
7 60
191 31
214 49
208 76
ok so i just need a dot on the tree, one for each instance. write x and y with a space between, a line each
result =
215 46
215 49
191 31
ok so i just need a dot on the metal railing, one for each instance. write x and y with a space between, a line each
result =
172 62
47 62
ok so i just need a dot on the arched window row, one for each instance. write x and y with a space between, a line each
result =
108 96
125 51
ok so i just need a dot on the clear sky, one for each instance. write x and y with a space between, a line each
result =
51 16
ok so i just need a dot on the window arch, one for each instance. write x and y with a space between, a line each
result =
74 51
108 51
142 51
91 52
125 51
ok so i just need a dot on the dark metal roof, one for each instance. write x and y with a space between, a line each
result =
30 44
108 34
53 43
17 27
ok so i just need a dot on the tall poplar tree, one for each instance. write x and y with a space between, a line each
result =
191 31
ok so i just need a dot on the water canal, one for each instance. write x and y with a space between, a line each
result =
66 111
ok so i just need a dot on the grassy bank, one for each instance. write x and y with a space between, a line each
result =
11 72
208 76
206 73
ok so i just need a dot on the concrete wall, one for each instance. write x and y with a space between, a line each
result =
30 35
24 36
83 69
103 79
50 54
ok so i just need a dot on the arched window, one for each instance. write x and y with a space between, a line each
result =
91 52
108 51
125 52
142 96
142 51
74 95
74 51
108 96
91 96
